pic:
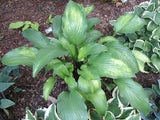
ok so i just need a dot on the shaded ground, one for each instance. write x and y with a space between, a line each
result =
38 11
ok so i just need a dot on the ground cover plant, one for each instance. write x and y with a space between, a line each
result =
76 57
146 39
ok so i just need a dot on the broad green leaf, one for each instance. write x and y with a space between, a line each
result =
29 115
156 61
71 106
74 23
134 117
148 14
90 49
138 10
4 86
20 56
71 81
88 10
132 36
109 116
156 18
122 53
48 86
156 2
16 25
98 99
88 86
36 37
134 93
27 23
93 115
156 33
5 103
35 26
57 26
139 44
109 86
107 39
145 4
107 65
151 26
4 77
46 54
51 114
91 22
25 27
151 7
128 23
126 112
141 59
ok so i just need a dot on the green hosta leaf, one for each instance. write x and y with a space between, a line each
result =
90 49
4 77
109 86
156 61
107 39
48 86
122 53
5 103
132 36
151 26
141 59
88 86
98 99
29 115
25 27
134 93
35 26
16 25
128 23
57 26
71 106
74 23
36 37
144 5
93 115
156 18
156 2
91 22
156 33
107 65
148 14
46 54
134 117
27 23
126 112
39 114
109 116
20 56
151 7
88 10
4 86
138 10
71 82
51 114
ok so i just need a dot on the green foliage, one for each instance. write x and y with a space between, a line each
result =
154 100
76 56
144 39
5 82
24 25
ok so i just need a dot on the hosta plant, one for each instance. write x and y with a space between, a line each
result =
146 39
76 56
154 100
5 82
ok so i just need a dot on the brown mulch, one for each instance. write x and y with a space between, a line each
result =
38 11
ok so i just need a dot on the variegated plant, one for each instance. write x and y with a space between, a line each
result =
76 56
146 39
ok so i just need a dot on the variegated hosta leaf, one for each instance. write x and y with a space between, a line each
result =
156 61
57 26
29 115
108 65
134 93
128 23
151 26
148 14
74 23
36 37
141 59
109 116
51 114
20 56
71 106
98 99
46 54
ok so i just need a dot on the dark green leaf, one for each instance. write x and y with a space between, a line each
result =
151 7
71 106
90 49
74 23
156 18
134 93
40 113
109 86
16 25
91 22
151 26
107 65
138 10
99 101
109 116
4 86
36 37
51 114
94 115
20 56
134 117
29 115
128 23
71 81
156 2
46 54
156 61
148 14
4 77
156 33
5 103
57 26
48 86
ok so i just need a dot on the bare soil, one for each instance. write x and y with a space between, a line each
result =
39 11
